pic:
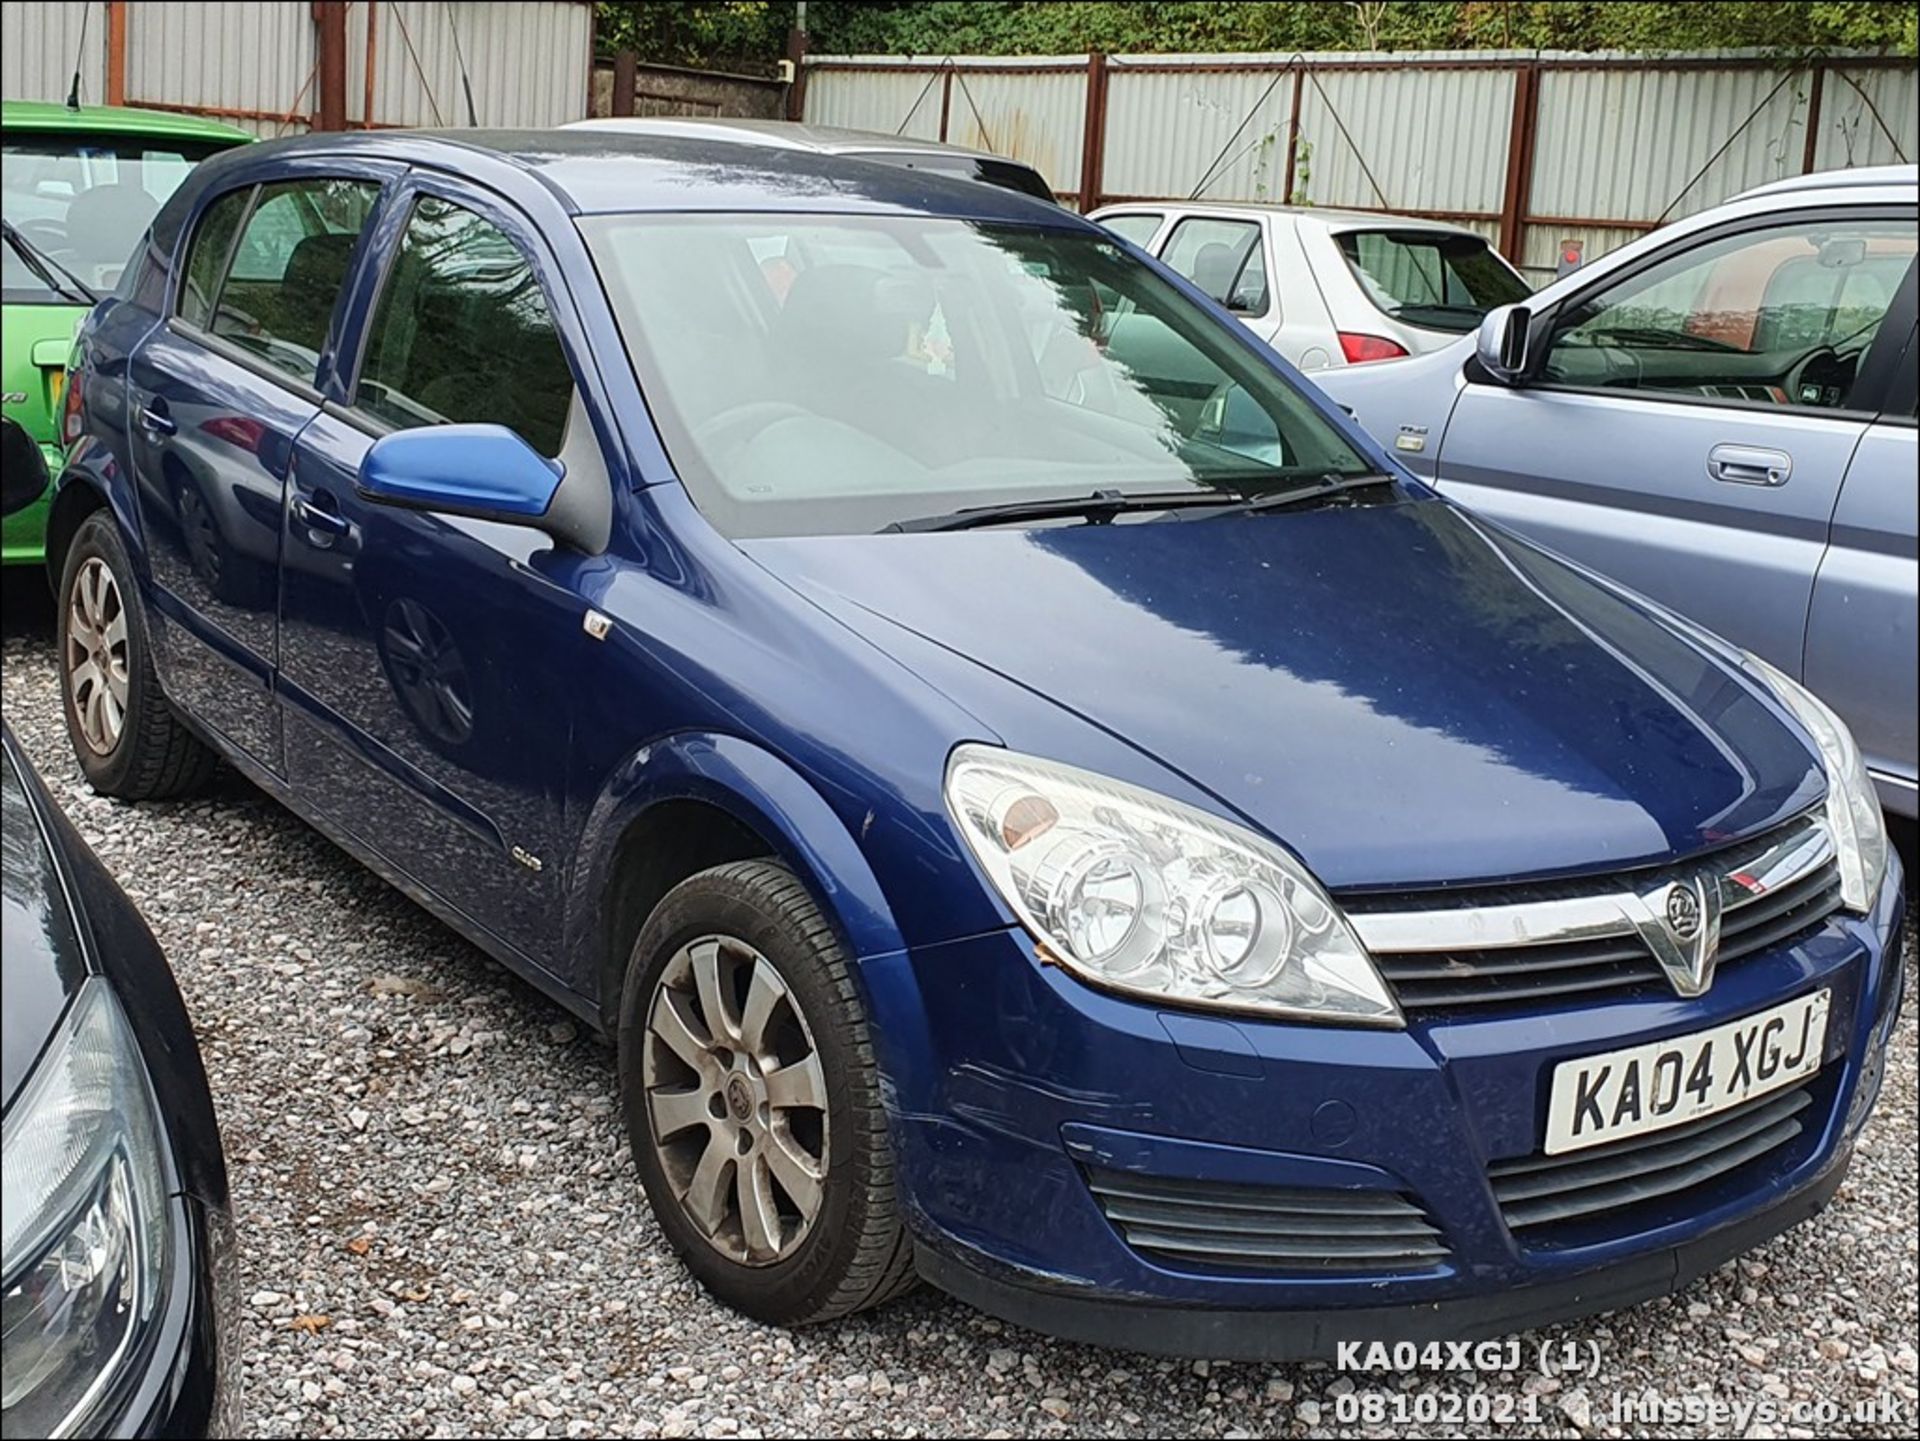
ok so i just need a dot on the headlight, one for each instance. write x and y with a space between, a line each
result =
1141 894
87 1231
1853 806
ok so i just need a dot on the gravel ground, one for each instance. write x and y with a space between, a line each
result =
441 1233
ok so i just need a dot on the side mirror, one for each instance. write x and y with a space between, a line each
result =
483 471
1501 346
23 470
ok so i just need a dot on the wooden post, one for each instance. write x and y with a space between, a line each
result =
797 90
1093 136
116 52
1520 139
1813 117
625 63
330 35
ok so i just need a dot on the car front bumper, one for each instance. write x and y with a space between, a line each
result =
188 1380
1013 1084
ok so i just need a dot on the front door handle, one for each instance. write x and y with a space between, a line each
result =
320 513
1749 465
154 417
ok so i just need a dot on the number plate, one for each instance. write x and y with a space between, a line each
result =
1630 1092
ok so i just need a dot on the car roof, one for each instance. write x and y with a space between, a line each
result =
781 134
116 120
1853 179
1333 220
602 171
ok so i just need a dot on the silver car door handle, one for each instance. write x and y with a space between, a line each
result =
1749 465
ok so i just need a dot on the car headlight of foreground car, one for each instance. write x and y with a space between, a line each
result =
1141 894
88 1235
1853 805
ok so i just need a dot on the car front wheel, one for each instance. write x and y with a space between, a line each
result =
126 736
752 1100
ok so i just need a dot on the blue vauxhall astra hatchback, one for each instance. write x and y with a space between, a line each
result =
1040 800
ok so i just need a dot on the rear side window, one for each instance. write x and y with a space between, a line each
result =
285 273
207 254
1430 279
463 334
1225 258
1136 229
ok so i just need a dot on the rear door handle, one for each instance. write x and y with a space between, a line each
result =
1749 465
321 513
154 417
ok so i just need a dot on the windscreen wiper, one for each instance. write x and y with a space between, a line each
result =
1098 508
47 268
1331 484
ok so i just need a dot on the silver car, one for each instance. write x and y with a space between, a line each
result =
1327 288
906 151
1720 415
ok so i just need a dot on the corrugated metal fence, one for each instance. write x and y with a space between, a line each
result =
258 65
1532 149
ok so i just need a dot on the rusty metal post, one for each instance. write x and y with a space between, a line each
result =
625 68
330 34
1093 136
1520 141
1293 134
117 52
946 101
366 88
1813 117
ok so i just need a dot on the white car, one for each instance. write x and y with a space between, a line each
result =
1327 287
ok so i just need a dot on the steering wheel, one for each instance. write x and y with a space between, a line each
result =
47 235
733 426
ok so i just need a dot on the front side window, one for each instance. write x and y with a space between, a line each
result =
1225 258
77 205
463 334
1433 279
1780 316
1135 229
287 269
837 374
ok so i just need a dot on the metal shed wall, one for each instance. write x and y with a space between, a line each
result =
256 65
1534 149
39 44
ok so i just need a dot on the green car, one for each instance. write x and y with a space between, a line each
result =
79 188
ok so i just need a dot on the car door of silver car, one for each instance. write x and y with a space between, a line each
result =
1684 426
1861 631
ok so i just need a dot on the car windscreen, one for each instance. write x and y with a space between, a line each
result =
1433 279
834 374
1007 174
77 205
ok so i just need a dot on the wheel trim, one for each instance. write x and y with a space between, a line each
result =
97 656
736 1100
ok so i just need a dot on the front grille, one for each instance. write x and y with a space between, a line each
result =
1528 945
1543 1191
1267 1228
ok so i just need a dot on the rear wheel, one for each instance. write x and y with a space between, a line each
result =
126 736
752 1100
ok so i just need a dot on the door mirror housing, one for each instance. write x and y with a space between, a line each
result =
23 471
483 471
1501 346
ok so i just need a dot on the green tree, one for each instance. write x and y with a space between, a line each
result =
750 34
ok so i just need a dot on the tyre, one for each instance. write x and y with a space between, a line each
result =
128 740
752 1100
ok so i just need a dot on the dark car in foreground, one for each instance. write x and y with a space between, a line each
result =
117 1262
1039 799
